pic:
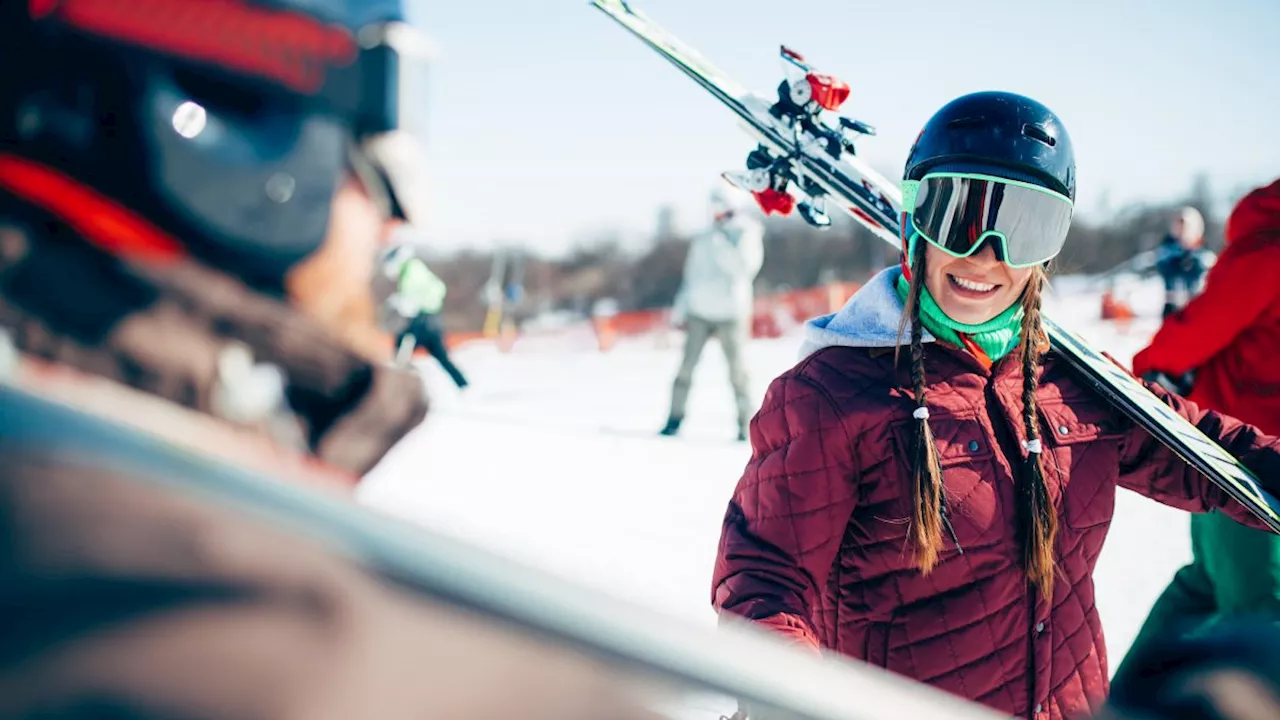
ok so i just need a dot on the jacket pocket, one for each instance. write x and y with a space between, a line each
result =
967 458
886 647
1082 461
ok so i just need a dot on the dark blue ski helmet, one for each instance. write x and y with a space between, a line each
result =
996 133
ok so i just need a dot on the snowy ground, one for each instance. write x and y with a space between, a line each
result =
552 458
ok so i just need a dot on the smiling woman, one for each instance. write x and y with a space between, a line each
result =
978 453
973 289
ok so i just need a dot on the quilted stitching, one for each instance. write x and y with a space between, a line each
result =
817 526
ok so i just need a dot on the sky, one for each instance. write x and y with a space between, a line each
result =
548 125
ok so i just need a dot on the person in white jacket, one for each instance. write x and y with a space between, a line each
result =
715 301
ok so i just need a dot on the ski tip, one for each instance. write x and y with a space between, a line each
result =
618 5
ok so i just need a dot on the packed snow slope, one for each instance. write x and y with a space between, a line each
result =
553 458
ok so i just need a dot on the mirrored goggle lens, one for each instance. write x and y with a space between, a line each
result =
958 213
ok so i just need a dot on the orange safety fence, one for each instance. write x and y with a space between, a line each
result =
778 312
774 314
1114 308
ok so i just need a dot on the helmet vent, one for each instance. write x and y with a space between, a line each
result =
1036 132
966 122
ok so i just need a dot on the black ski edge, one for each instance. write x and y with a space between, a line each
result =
1172 430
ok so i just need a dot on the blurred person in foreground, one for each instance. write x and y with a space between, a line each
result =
192 201
716 300
1228 338
1230 672
418 299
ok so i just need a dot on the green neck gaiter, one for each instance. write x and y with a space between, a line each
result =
996 337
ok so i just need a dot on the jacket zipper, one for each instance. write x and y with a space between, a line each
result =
1006 439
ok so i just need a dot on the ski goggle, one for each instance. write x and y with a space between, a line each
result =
958 212
385 95
375 80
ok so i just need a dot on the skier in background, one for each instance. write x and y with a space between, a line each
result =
1182 260
418 298
1229 336
716 300
512 301
504 294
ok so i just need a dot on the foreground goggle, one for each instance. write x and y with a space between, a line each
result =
958 212
386 95
375 81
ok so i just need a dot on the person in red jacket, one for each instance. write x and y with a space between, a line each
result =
1229 337
936 506
1230 333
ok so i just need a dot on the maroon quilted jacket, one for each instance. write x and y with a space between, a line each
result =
814 542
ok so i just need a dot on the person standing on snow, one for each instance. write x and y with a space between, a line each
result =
418 298
716 300
936 507
1229 336
1181 259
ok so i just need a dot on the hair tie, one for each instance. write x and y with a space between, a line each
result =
1033 446
921 413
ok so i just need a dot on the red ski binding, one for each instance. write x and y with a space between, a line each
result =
829 91
774 201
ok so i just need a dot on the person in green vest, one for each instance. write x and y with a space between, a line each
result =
418 298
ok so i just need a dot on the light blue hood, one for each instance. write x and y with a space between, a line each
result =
869 319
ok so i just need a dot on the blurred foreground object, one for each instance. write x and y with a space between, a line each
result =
1229 671
153 582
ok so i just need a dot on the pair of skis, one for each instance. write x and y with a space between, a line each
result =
797 149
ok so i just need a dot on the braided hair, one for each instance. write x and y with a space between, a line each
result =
1037 521
926 472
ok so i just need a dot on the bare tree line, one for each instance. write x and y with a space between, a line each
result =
796 256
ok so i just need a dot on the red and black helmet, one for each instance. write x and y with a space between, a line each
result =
215 128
